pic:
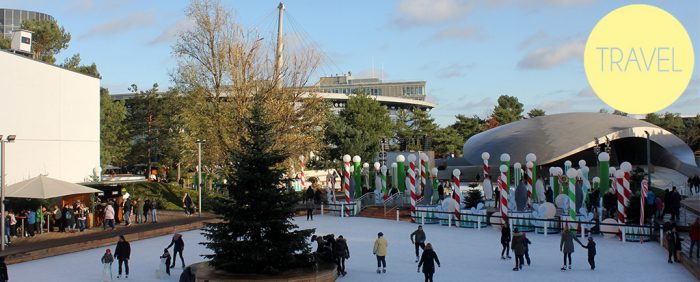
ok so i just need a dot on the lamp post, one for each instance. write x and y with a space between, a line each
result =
199 174
648 159
3 185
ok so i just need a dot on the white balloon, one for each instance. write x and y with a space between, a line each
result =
505 157
346 158
485 155
412 158
531 157
456 172
400 158
356 159
604 157
503 168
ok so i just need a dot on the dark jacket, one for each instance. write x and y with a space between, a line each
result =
107 258
505 235
123 250
340 249
167 258
420 236
517 244
427 260
187 275
526 242
147 206
178 242
3 272
590 246
566 244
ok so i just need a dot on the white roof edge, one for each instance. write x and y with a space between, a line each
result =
388 99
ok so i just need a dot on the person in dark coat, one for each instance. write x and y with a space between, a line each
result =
3 270
518 249
549 194
566 245
526 242
341 253
441 192
505 239
591 251
179 247
309 210
676 204
418 239
146 209
123 253
187 275
428 260
671 241
309 194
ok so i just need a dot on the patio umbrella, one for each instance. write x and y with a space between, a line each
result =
44 187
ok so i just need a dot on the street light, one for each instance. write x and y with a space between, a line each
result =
199 172
3 185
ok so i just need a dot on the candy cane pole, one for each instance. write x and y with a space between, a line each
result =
620 178
532 175
517 169
434 172
645 190
528 176
457 193
424 173
301 165
383 170
485 156
571 174
505 160
627 170
412 183
346 183
567 166
503 186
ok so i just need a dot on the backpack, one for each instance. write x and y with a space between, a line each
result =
69 215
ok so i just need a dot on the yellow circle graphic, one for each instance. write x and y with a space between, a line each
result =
639 59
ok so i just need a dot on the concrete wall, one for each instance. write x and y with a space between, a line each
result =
55 114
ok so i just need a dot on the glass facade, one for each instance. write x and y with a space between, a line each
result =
11 19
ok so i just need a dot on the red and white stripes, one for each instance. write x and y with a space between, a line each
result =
412 183
346 183
457 193
621 199
503 186
528 176
485 156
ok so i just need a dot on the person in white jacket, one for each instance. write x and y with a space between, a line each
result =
109 216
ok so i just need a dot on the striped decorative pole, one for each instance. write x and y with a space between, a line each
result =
401 173
620 178
357 175
505 160
485 156
383 170
424 173
301 165
567 166
528 176
532 175
412 183
457 192
571 174
517 174
585 185
613 181
394 175
436 196
503 186
346 182
645 190
627 170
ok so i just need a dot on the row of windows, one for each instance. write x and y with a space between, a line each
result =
412 91
12 19
369 91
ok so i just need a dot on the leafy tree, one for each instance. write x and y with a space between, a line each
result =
73 63
448 141
603 111
256 234
48 39
535 113
358 128
4 42
401 130
619 113
508 110
468 126
423 127
674 123
653 118
143 119
114 145
692 134
473 198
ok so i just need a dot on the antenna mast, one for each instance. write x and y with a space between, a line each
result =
279 60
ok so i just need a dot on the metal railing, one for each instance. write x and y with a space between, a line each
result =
392 202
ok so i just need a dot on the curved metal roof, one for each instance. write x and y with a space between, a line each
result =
555 137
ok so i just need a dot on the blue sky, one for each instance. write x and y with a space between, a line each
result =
469 52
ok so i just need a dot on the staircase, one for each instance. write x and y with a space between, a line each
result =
378 212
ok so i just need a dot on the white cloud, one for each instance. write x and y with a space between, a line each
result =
132 21
420 12
551 56
458 33
454 70
534 38
170 33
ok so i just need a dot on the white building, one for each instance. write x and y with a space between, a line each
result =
55 114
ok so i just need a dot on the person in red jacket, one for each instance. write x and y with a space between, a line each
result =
695 238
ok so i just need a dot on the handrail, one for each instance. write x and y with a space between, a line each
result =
391 200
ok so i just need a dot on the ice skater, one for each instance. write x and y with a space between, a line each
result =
179 248
107 260
123 253
164 264
518 249
526 242
3 270
341 253
428 260
419 241
591 251
505 240
566 245
380 246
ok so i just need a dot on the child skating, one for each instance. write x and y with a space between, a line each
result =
164 268
591 251
107 260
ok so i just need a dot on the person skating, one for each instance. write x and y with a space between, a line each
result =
341 253
164 264
591 251
309 210
179 247
419 240
380 246
695 238
505 240
566 245
107 260
428 260
3 270
526 247
518 249
123 253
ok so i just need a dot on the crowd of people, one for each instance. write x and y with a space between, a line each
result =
122 253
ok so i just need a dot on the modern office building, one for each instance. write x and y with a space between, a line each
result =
11 19
55 115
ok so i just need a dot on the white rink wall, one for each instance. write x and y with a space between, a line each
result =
55 114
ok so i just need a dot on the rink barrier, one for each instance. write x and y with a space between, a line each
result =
633 232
